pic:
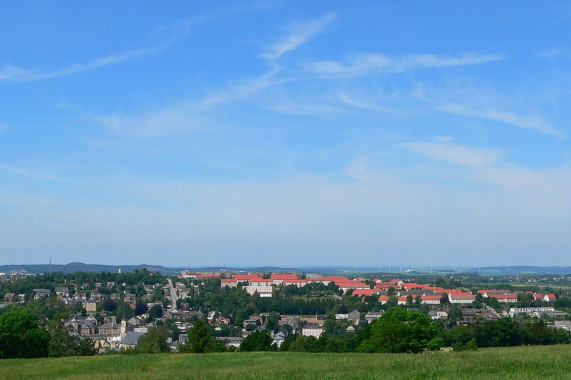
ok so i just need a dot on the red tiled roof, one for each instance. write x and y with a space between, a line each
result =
462 295
503 296
428 298
284 276
363 292
249 277
454 291
295 281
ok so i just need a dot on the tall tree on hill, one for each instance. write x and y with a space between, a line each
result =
199 337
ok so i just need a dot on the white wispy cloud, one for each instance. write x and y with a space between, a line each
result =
359 103
31 173
298 35
455 153
184 116
242 88
370 64
177 118
18 74
172 33
534 123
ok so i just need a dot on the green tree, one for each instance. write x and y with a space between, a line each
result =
21 337
141 308
64 344
153 342
399 330
198 338
155 312
257 341
109 305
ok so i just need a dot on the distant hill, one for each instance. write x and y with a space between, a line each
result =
522 270
82 267
98 268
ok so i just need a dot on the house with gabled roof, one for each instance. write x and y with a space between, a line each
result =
41 293
130 340
461 298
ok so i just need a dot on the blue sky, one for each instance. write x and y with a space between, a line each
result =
285 133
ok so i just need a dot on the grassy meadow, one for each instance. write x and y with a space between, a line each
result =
532 362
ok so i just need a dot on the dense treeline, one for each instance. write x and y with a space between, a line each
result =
399 330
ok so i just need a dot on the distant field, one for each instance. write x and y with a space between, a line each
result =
539 362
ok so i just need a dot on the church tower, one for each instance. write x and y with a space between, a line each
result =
124 321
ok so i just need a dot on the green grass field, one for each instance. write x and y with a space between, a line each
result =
539 362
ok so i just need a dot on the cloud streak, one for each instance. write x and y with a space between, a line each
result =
18 74
454 153
177 30
534 123
299 34
373 64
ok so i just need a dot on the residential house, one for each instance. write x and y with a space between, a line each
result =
41 293
430 300
253 320
292 320
278 339
90 305
504 298
62 292
438 314
312 330
231 341
372 316
9 297
183 292
549 297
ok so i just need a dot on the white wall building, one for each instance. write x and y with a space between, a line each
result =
312 330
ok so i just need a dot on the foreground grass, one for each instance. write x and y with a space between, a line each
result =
539 362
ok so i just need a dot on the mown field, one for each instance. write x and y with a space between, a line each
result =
539 362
